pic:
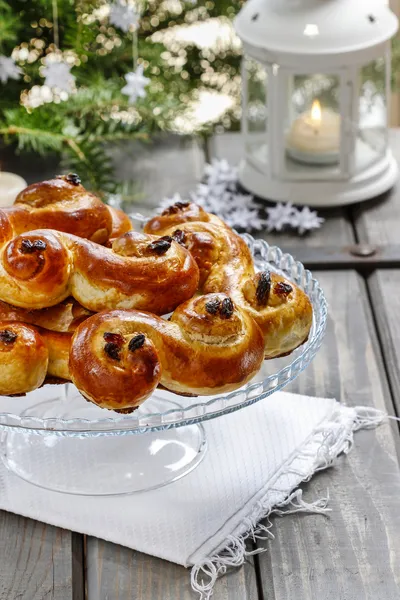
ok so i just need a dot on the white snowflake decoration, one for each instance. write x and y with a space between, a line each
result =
123 15
306 220
57 75
218 195
8 69
220 171
135 84
279 216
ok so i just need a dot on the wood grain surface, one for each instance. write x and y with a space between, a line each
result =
117 573
354 553
36 561
377 221
383 287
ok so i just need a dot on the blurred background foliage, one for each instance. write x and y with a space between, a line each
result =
188 50
194 73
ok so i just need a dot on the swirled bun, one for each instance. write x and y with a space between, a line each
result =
28 355
23 359
65 205
42 268
281 309
121 223
62 204
209 346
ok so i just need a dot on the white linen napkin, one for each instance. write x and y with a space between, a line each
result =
256 458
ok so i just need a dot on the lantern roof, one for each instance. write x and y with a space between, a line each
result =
315 27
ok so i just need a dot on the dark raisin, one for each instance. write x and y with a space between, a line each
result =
175 208
282 289
39 245
115 338
170 210
160 246
167 238
136 342
112 350
212 306
73 178
263 287
179 236
28 247
226 308
7 336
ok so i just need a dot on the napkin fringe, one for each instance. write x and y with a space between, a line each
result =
326 443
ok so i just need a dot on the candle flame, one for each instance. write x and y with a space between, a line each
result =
316 111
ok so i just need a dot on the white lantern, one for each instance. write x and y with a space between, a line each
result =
316 89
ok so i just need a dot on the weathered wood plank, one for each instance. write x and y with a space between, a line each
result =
355 552
36 561
377 221
117 573
384 287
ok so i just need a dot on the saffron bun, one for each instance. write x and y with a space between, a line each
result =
65 205
40 269
209 346
28 355
280 308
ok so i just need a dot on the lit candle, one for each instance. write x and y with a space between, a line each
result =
314 137
10 186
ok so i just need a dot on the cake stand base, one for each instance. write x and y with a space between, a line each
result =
102 465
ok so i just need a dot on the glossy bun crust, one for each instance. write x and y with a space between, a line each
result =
63 317
28 355
226 318
281 309
209 346
41 268
63 204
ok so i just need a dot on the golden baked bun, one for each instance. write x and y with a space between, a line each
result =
28 355
63 317
41 268
65 205
209 346
62 204
121 223
281 309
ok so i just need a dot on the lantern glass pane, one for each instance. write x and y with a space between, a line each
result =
371 143
313 125
256 114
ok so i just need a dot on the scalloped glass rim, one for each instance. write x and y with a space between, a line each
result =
265 256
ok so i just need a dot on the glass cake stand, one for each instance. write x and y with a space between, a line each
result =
55 439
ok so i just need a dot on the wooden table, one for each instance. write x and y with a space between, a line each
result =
354 554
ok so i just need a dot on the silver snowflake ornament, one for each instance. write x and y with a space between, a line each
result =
135 84
220 171
279 216
123 15
58 75
305 220
8 69
244 217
